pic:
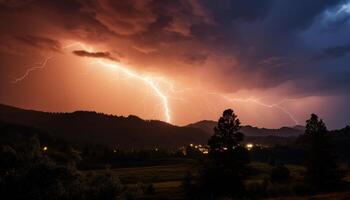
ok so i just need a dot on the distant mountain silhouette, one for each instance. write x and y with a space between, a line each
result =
250 131
124 132
299 127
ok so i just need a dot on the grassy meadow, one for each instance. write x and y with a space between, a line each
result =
167 180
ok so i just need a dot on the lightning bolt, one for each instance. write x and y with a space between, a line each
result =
151 82
42 65
256 101
147 80
36 66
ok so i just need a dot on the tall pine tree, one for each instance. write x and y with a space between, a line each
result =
223 175
321 167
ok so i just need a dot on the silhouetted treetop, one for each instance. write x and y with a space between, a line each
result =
226 133
224 173
315 126
321 167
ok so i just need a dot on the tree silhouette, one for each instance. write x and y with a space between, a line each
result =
223 175
227 136
321 168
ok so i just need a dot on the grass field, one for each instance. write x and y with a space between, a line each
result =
167 180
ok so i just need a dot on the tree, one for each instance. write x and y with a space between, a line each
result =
226 133
223 175
321 166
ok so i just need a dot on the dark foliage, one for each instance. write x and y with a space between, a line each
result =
223 173
280 174
31 170
341 143
289 154
322 172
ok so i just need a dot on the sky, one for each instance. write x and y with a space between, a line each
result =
274 62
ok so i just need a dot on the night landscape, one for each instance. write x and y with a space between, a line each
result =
174 99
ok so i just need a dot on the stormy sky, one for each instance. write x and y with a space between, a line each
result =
274 61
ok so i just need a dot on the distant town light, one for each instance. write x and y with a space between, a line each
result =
191 145
45 148
225 148
249 146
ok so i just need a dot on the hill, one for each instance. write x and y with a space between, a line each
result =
250 131
124 132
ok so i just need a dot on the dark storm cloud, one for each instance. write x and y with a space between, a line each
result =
274 62
14 3
261 38
250 46
226 11
84 53
288 15
337 51
195 58
40 42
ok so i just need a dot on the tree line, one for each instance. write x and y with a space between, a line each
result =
225 171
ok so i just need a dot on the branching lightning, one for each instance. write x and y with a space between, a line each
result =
42 65
152 83
258 102
148 80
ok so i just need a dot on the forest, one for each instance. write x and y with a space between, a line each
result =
39 165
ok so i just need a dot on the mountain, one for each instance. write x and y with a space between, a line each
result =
299 127
125 132
86 126
250 131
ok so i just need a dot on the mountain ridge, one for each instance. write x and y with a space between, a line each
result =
251 131
125 132
112 130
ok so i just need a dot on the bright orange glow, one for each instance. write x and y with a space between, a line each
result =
148 80
182 67
160 87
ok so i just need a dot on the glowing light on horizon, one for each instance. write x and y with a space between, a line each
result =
249 146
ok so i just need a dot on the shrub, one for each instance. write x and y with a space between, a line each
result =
150 190
256 189
278 190
301 189
280 174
